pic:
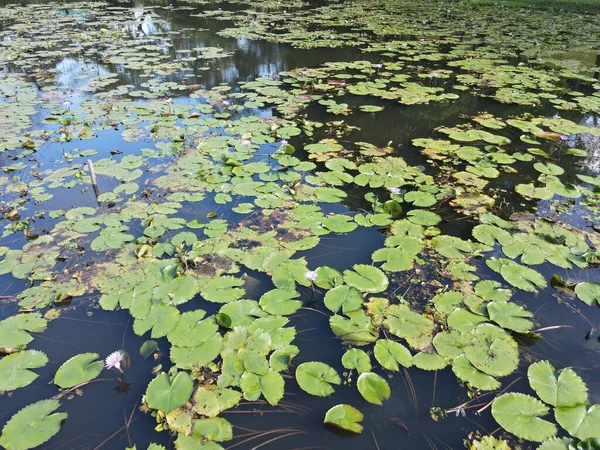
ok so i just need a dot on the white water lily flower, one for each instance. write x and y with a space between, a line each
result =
311 275
114 360
394 190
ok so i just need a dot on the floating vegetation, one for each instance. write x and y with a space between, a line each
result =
203 209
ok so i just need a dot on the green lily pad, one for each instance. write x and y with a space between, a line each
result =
492 350
166 395
77 370
356 359
316 378
510 316
520 414
373 388
467 372
32 426
560 389
14 331
588 292
391 355
345 417
366 278
579 421
346 298
15 369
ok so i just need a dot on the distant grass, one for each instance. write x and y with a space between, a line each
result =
576 5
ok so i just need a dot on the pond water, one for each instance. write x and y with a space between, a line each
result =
391 205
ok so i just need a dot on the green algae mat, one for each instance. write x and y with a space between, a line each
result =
264 224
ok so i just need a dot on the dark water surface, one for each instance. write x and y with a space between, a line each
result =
104 418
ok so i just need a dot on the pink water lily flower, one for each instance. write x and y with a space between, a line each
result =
394 190
114 360
246 142
311 275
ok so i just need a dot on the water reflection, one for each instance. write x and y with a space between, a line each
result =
592 145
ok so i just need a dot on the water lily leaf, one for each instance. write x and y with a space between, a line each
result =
328 278
316 378
510 316
209 400
223 289
391 354
393 208
589 444
492 290
366 278
281 358
192 329
346 298
564 388
447 302
166 395
519 414
548 168
161 318
464 321
490 234
373 388
450 344
529 190
490 443
555 443
492 350
212 429
452 247
522 277
345 417
356 359
404 323
147 348
429 361
425 218
154 446
588 292
467 372
272 386
280 301
190 357
15 370
242 312
357 329
32 426
79 369
14 331
579 421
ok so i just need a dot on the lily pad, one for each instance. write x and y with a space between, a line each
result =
345 417
316 378
391 355
520 414
580 421
373 388
588 292
32 426
15 369
79 369
366 278
560 389
166 395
